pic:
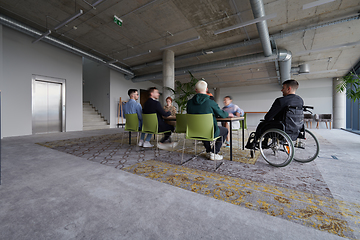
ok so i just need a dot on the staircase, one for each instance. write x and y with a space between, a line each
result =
92 119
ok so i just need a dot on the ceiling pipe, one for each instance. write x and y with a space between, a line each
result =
253 42
284 57
220 64
6 21
258 12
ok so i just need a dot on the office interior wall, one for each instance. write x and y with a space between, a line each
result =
1 71
119 87
259 98
96 86
21 60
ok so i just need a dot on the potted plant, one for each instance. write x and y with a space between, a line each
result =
183 92
350 83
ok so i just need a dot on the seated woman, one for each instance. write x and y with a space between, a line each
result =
169 107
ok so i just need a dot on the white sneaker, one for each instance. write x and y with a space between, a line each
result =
147 144
141 142
174 144
165 145
215 157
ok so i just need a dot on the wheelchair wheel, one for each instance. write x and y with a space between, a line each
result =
276 147
306 150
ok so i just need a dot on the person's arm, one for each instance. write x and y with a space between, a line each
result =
218 112
275 109
161 111
239 112
139 112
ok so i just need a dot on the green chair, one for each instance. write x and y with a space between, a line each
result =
245 126
131 125
150 125
180 124
238 130
200 127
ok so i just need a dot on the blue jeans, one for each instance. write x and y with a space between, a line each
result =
219 141
148 137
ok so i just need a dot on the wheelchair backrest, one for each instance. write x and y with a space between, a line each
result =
293 121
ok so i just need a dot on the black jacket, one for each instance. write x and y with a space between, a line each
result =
293 120
153 106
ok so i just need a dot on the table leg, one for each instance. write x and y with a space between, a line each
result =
243 134
230 140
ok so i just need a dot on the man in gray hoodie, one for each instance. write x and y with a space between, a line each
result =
201 104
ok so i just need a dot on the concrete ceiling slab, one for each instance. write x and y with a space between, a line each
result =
150 25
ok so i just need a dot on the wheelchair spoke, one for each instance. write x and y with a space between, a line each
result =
306 150
276 147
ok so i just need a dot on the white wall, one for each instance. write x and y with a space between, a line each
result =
97 86
119 87
259 98
22 59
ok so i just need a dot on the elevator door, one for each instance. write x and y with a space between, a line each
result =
47 102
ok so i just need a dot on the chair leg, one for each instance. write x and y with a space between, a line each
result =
182 156
317 125
310 124
326 125
330 125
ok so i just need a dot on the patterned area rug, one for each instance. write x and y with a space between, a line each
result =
297 192
322 213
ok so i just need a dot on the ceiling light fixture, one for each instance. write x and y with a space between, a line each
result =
42 36
138 55
316 3
328 48
68 20
240 25
96 3
181 42
318 72
112 61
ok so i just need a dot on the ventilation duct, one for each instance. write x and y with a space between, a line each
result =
303 68
6 21
221 64
254 41
257 7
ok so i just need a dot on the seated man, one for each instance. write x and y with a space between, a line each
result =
132 107
154 106
201 104
277 112
234 109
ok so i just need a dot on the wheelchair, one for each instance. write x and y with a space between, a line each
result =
278 148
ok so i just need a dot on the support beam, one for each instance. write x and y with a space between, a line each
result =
168 74
339 106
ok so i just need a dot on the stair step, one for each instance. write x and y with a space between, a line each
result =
92 119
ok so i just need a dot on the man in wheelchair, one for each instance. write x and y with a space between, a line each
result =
286 113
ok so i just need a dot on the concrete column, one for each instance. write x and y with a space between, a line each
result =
217 95
339 106
168 74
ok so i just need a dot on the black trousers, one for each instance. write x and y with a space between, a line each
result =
219 141
167 135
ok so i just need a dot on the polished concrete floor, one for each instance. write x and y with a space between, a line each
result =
47 194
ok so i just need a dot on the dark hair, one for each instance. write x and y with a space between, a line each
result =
229 97
169 98
152 89
291 83
131 91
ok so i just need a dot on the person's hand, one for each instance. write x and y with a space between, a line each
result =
231 115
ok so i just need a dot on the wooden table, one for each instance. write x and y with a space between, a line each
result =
229 120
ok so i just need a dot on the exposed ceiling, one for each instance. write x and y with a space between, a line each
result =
313 35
